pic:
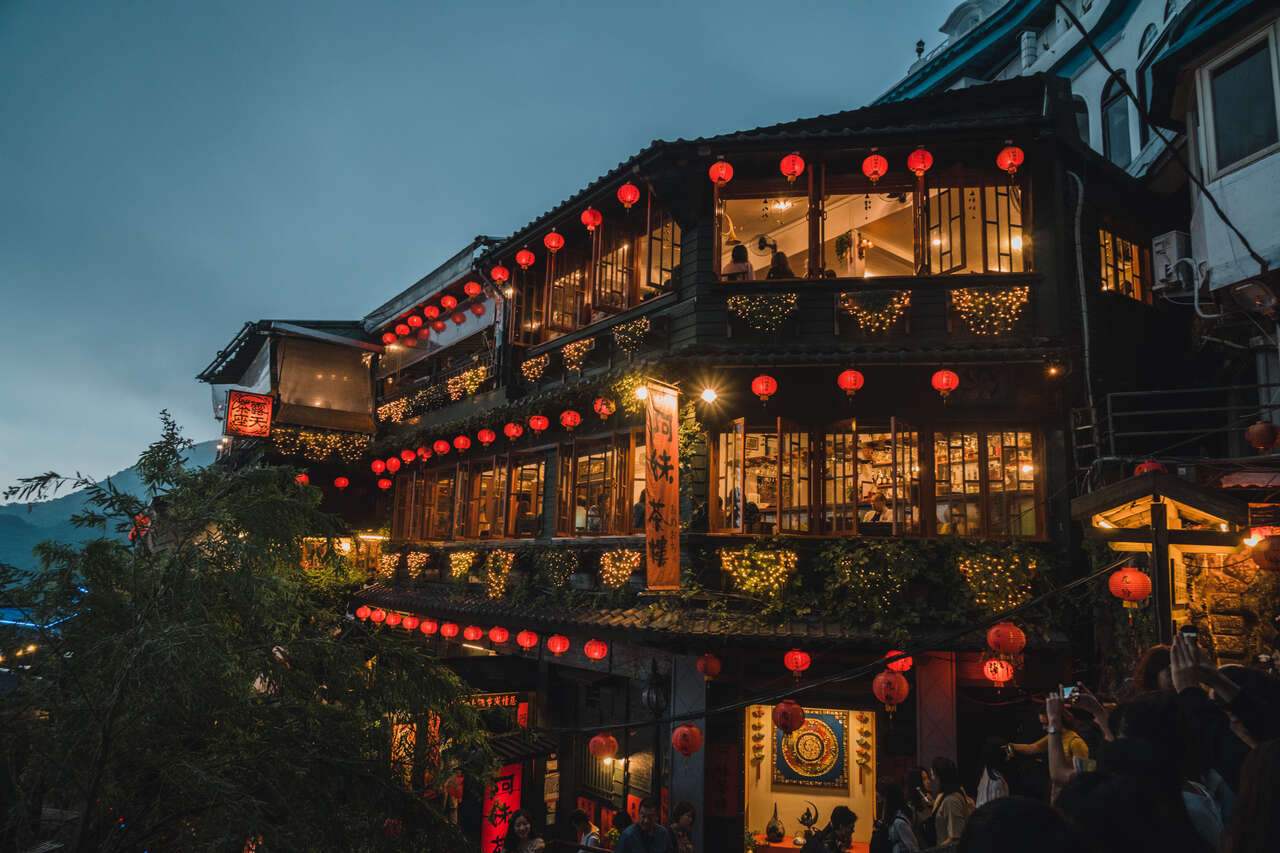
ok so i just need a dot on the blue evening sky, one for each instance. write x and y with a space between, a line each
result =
170 169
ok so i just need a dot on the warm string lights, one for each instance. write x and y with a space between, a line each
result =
990 311
533 368
318 445
616 567
423 400
998 582
876 312
387 564
758 572
763 312
631 336
557 566
497 572
467 382
574 354
460 563
417 561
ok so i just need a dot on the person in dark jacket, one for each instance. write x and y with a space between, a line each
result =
835 838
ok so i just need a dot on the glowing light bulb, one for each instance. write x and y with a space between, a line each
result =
642 392
1016 243
709 395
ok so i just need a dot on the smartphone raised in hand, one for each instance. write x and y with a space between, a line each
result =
1068 693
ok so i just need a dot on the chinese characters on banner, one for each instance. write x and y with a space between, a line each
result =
501 800
662 487
248 414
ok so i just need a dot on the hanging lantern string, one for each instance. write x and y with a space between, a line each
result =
920 649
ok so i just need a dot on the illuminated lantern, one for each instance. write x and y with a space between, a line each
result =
462 443
429 626
874 167
628 194
478 309
424 333
945 381
410 342
1009 159
1006 638
363 611
538 423
709 666
850 381
499 273
431 312
919 161
408 456
453 787
720 172
1130 586
486 436
596 649
603 746
439 326
1262 435
402 329
377 615
458 318
471 633
558 644
570 419
384 484
796 661
424 453
449 302
525 259
553 241
899 665
998 671
604 407
687 739
388 337
890 688
498 634
341 483
449 630
302 479
394 619
393 464
414 321
378 466
591 218
410 623
392 828
440 446
788 716
526 640
1150 466
1267 553
472 289
513 430
792 167
764 386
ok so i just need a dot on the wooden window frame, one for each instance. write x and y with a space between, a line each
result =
1204 101
519 461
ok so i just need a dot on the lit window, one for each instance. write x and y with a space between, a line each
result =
1124 266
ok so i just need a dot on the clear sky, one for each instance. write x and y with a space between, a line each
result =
170 169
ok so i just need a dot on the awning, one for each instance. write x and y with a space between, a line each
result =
521 744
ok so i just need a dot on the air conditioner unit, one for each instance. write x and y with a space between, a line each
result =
1165 250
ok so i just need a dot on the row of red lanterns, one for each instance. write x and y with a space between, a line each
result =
421 326
557 644
851 381
874 166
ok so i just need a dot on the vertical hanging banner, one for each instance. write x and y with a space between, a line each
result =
501 800
662 486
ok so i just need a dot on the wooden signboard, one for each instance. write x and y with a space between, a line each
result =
248 414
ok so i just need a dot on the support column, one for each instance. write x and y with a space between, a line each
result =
1160 575
688 775
935 707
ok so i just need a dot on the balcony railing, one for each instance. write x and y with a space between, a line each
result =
437 391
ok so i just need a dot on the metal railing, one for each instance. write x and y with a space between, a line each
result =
1203 422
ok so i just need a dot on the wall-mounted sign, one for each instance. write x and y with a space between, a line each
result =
248 414
662 486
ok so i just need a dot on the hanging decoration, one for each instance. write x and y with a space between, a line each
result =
1262 436
720 172
472 633
393 464
378 466
449 630
1150 466
394 619
787 716
850 381
384 484
796 661
532 368
998 582
591 218
570 419
471 288
417 561
423 453
792 167
945 381
557 644
1009 159
497 572
604 407
1130 586
538 423
757 571
764 386
402 329
596 649
498 635
763 312
318 445
900 665
429 627
628 194
388 338
341 483
467 382
919 161
1006 638
553 241
526 639
574 354
890 688
363 611
709 666
486 436
874 167
441 447
603 746
687 738
378 615
460 563
439 325
414 321
998 671
525 258
458 318
499 274
448 302
513 430
629 337
617 566
408 456
431 312
876 311
990 311
478 309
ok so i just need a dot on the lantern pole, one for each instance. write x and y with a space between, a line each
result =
1160 571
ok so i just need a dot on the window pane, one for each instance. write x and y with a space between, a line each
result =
659 254
1122 266
1011 483
1002 220
867 235
526 497
614 271
760 478
946 229
442 514
592 495
568 291
793 488
888 475
957 483
763 228
728 480
840 482
1244 107
637 502
1115 127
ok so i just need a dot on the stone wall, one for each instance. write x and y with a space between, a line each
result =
1232 603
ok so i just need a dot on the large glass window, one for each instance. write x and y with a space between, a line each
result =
1124 266
659 254
568 291
615 270
1115 124
1243 96
974 229
423 506
869 234
528 476
765 237
486 499
998 503
957 483
1011 484
604 486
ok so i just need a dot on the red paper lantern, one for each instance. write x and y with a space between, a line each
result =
604 407
850 381
408 456
603 746
1006 638
1262 435
792 167
377 615
526 639
1150 466
341 483
558 644
394 619
538 423
392 828
302 479
945 381
423 453
402 329
378 466
431 312
486 436
440 446
709 666
458 318
721 173
900 665
1009 159
429 626
596 649
591 218
462 443
788 716
628 194
449 630
498 634
393 464
448 302
424 333
472 289
439 326
764 386
453 787
499 273
687 739
553 241
414 321
388 337
411 622
796 661
384 484
410 342
478 309
890 688
874 167
1130 586
1267 553
513 430
570 419
919 161
471 633
363 611
998 671
525 258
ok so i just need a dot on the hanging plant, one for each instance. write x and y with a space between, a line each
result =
575 354
617 566
876 311
460 563
532 368
497 572
758 571
763 312
990 311
556 566
631 336
844 242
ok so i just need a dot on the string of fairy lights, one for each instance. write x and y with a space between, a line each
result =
533 368
575 354
617 566
876 312
990 311
763 312
630 337
757 571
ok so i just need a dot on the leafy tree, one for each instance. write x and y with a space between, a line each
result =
208 693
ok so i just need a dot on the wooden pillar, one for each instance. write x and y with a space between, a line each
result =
1160 575
688 775
935 707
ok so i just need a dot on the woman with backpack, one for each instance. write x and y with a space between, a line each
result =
893 832
952 806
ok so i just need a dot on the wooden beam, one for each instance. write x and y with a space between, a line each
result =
1161 575
1182 538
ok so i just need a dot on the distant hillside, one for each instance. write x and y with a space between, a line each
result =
23 526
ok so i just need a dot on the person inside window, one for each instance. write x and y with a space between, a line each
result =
779 267
740 268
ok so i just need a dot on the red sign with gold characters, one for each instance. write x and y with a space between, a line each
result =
248 414
662 486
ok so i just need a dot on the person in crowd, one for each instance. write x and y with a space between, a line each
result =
1152 671
895 824
1119 813
739 268
588 834
637 512
682 818
779 267
835 838
1255 825
521 836
1073 746
646 835
1018 825
992 785
1083 699
951 806
1222 749
921 806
